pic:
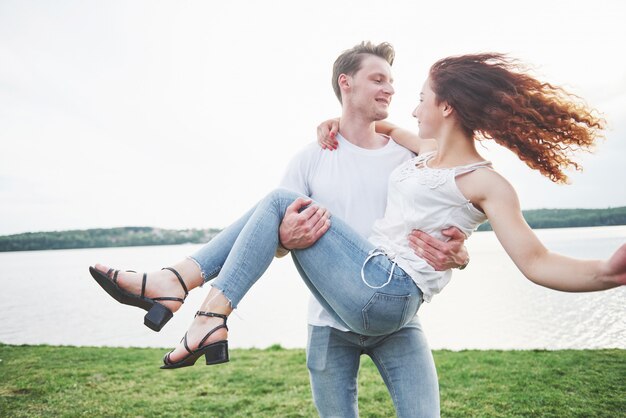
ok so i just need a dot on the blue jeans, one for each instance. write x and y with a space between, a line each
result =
403 359
331 268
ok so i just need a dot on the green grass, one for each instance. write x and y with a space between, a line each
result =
126 382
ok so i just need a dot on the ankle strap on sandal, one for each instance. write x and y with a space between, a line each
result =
211 314
180 279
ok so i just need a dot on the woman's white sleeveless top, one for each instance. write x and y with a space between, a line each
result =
428 199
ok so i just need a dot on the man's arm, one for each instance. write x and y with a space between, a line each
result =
304 222
439 254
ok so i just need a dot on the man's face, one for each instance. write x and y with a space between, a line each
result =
370 89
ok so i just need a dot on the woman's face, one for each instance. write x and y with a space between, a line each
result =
428 113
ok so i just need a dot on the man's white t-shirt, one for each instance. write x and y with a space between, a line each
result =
351 182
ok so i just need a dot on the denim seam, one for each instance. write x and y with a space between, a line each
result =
390 385
404 319
215 272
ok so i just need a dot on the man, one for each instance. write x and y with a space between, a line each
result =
352 183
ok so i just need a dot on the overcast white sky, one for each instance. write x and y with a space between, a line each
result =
181 114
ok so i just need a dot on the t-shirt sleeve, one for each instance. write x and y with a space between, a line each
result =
296 177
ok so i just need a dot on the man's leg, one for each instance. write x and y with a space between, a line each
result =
333 362
406 364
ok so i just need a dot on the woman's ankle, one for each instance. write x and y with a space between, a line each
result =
216 302
190 272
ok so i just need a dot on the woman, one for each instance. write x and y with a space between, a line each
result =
448 184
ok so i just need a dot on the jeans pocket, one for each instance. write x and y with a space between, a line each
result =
385 313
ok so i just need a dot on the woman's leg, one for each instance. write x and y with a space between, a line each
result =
211 257
251 243
333 272
372 299
195 270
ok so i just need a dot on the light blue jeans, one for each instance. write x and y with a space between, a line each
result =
403 359
331 268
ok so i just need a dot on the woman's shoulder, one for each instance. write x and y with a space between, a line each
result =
488 176
485 183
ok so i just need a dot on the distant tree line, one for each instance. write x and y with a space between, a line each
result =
96 238
140 236
570 218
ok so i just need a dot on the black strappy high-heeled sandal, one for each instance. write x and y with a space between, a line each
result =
158 314
214 353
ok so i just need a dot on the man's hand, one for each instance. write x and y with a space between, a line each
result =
440 255
302 228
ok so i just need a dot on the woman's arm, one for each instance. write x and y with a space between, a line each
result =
327 133
543 267
406 138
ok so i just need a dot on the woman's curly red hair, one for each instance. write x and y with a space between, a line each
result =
539 122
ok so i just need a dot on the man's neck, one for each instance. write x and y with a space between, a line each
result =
361 132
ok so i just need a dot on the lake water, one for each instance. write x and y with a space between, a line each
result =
48 297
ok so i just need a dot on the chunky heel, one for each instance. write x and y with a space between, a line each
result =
216 353
158 314
157 317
